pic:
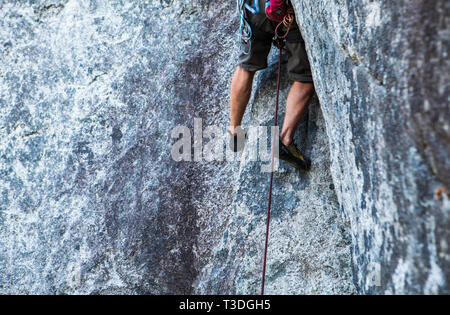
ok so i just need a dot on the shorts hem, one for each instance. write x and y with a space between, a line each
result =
301 78
251 68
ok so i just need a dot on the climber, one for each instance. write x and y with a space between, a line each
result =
262 21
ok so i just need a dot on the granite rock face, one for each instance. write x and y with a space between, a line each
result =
90 90
381 72
91 201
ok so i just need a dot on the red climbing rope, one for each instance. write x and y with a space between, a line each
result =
280 45
287 23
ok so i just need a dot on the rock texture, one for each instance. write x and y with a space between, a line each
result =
381 73
91 201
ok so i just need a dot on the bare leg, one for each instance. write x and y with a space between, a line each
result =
296 105
241 89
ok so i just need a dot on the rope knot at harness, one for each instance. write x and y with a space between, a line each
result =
279 43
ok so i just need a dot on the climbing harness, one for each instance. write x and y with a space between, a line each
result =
279 43
245 32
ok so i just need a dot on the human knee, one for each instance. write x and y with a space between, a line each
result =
303 90
244 73
243 79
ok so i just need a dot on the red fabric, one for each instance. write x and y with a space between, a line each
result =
276 10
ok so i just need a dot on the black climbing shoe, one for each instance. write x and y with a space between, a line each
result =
293 156
236 143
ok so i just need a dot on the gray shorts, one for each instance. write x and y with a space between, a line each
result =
263 30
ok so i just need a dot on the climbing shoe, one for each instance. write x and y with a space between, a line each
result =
237 141
293 156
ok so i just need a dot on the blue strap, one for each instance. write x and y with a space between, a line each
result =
253 9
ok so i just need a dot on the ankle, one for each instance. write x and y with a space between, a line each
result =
234 130
286 140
